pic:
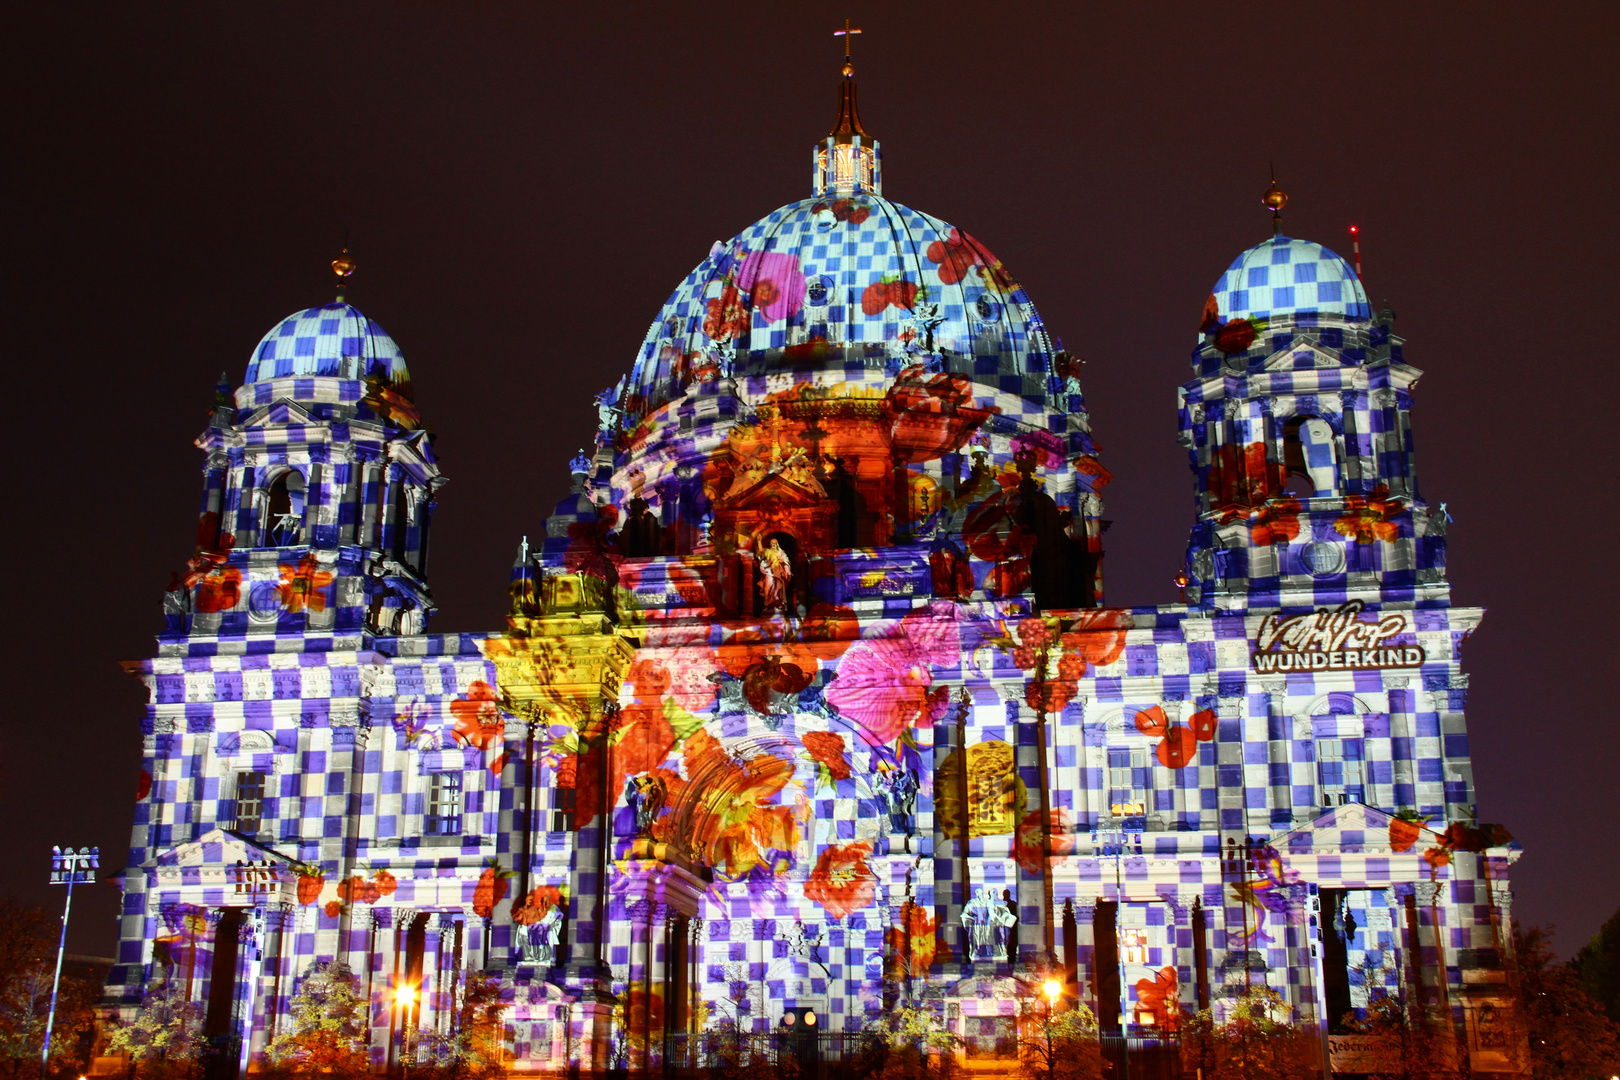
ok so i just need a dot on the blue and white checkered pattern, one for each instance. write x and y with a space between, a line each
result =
988 327
332 340
1284 276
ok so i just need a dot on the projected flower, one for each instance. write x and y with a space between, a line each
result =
827 749
727 318
1369 518
304 585
895 292
1161 996
733 822
478 722
841 881
1276 522
1029 851
775 282
887 684
957 255
915 945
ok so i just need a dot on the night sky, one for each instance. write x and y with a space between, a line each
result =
524 185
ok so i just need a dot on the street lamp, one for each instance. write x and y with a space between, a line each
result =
1054 990
67 868
405 997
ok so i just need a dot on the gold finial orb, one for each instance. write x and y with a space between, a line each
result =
1274 199
343 266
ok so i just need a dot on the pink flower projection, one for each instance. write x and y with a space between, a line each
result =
886 684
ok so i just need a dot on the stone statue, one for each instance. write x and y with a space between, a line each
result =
987 921
645 797
896 791
607 414
540 939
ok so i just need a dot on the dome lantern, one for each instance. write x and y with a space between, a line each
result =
848 160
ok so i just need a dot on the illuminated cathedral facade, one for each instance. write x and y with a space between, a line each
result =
809 703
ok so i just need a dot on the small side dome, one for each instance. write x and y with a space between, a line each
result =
333 341
1283 276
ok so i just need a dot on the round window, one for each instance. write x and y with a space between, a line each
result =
986 306
264 602
1322 558
817 294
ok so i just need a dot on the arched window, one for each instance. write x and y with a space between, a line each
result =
284 510
1310 458
399 520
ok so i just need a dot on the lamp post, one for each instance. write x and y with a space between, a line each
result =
1054 990
405 997
67 868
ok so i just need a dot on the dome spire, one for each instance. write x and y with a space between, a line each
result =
1274 200
343 266
849 117
847 161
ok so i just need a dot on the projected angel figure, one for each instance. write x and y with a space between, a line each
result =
774 569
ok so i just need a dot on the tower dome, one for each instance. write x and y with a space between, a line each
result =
1283 276
334 341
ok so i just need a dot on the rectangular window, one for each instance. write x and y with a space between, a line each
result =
562 814
1133 946
249 802
1339 771
1127 783
443 816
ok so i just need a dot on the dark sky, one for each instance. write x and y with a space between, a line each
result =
525 184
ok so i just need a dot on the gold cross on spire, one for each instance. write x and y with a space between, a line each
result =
846 33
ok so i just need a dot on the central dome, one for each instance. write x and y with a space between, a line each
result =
872 279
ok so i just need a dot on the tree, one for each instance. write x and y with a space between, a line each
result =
1058 1045
27 970
474 1048
1598 964
328 1019
907 1041
1407 1043
164 1039
1255 1040
1569 1035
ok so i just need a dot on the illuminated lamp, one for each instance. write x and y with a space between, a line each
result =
1053 989
787 1019
810 1019
1182 580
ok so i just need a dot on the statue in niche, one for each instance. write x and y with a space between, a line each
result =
988 921
645 797
896 791
774 570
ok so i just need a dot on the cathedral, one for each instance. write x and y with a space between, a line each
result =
809 705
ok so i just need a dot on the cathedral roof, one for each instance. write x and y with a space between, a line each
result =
853 269
319 340
1284 276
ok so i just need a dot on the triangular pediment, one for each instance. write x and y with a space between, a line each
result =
1303 352
218 847
1355 828
778 486
279 412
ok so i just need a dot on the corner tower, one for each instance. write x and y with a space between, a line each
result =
1298 431
319 488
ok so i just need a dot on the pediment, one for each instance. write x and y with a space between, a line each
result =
218 848
415 455
1304 352
282 411
1354 828
779 487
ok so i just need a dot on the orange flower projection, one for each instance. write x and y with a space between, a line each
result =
841 881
